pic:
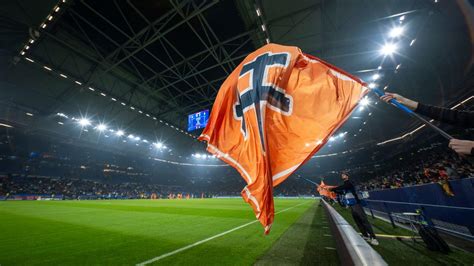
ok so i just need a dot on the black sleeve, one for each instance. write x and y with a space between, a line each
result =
342 188
455 117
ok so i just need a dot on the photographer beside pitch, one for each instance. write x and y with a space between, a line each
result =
357 211
464 119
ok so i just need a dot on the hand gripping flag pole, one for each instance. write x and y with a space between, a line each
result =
410 112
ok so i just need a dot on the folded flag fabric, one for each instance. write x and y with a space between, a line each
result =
323 190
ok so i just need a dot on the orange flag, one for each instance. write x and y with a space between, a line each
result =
273 112
323 190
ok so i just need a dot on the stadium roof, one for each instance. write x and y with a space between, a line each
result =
143 66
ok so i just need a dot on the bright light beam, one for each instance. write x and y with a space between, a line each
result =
364 101
388 49
396 32
84 122
101 127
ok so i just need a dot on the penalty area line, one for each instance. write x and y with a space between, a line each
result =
208 239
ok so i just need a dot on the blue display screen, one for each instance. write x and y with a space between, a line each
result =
198 120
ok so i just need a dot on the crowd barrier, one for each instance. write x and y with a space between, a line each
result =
24 196
352 248
451 214
61 197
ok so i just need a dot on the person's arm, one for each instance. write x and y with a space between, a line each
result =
460 118
462 147
463 119
412 105
455 117
340 189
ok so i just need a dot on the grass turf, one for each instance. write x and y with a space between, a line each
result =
132 231
307 242
404 251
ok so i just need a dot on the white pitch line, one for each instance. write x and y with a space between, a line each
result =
208 239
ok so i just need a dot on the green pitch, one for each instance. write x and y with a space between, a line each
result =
129 232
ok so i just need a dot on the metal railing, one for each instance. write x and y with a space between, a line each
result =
388 212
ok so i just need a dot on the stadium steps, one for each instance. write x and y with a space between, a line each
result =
307 242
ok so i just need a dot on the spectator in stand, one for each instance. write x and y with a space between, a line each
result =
463 119
80 188
427 167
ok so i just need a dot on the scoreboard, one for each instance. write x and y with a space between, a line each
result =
198 120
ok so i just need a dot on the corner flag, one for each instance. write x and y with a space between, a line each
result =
273 112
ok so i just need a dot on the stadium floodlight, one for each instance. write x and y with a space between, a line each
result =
198 155
396 32
365 101
131 136
84 122
376 76
120 133
388 49
5 125
137 138
371 85
158 145
101 127
332 139
341 135
62 115
164 147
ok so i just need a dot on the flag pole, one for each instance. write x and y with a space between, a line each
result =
312 182
410 112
